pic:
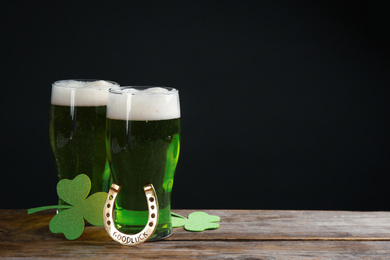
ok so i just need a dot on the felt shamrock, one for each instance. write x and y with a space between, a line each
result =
70 222
197 221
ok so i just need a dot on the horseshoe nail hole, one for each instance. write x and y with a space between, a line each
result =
153 215
108 214
108 222
108 205
151 199
152 207
110 197
150 224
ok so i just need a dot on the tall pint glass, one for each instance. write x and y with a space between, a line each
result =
143 126
78 130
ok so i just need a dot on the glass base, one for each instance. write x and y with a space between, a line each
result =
132 222
159 234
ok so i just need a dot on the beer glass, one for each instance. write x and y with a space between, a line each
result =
78 130
143 126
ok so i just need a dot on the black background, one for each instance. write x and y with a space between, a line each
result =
284 103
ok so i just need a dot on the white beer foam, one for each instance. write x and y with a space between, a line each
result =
81 93
150 104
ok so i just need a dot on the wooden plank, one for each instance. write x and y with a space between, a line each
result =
243 234
261 225
200 249
294 225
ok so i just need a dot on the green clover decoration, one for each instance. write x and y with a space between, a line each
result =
70 221
196 221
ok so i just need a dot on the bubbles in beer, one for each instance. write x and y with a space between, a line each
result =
154 103
81 93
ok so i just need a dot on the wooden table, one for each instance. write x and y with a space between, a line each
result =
243 234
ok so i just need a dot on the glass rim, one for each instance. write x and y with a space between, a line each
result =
120 90
55 83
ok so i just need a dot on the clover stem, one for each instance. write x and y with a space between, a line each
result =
177 215
34 210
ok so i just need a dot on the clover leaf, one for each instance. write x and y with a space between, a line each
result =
196 221
70 222
92 208
74 191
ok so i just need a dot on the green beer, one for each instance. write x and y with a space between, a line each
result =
143 148
78 130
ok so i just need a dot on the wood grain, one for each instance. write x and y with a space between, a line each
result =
243 234
296 225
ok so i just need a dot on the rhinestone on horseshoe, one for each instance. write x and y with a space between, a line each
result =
150 227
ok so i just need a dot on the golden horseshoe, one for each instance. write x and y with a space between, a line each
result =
132 239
